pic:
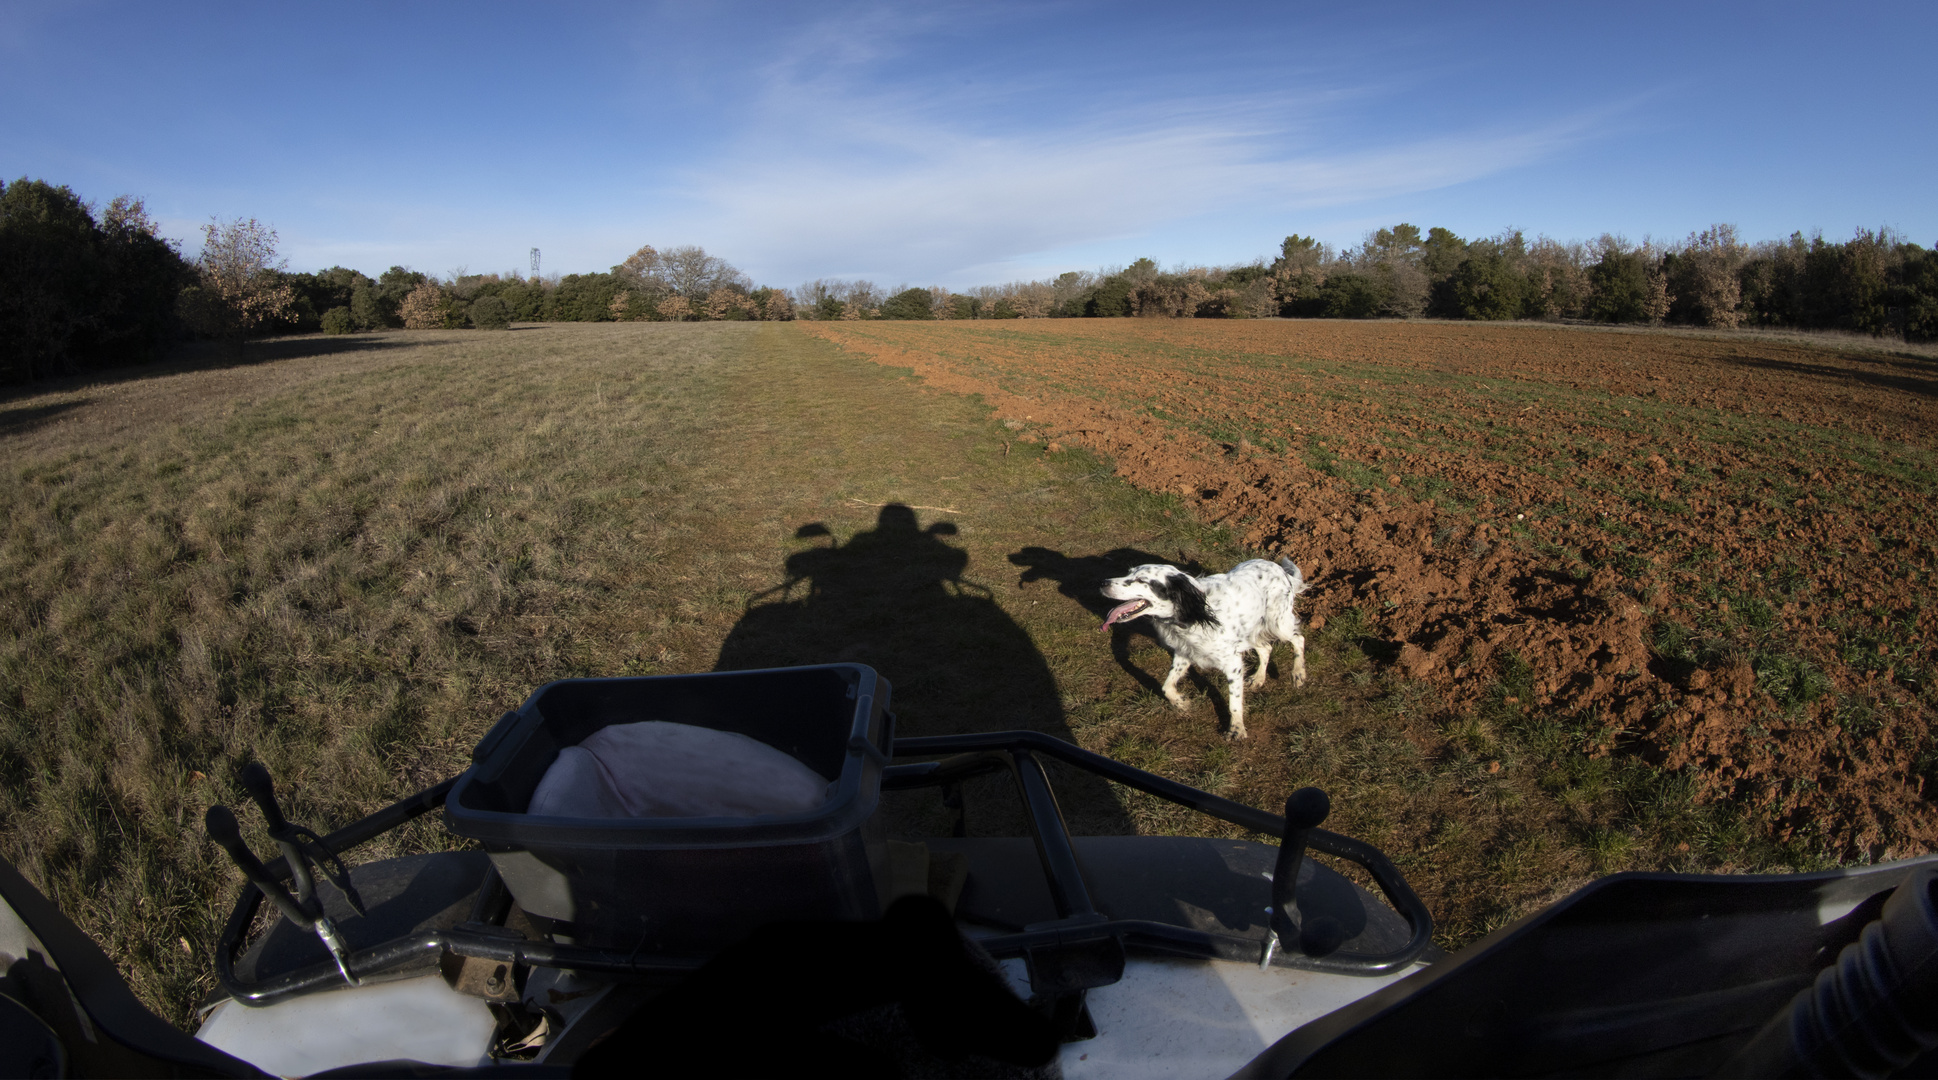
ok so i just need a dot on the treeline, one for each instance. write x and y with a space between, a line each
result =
1875 283
680 284
80 291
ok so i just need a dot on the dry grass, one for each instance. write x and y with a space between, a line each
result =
347 563
346 559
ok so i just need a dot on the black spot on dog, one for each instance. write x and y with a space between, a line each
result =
1188 600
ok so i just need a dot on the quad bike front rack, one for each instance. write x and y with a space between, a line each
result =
1081 948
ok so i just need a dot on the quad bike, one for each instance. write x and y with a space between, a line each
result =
1140 956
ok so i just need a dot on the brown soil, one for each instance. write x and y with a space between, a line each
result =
1717 547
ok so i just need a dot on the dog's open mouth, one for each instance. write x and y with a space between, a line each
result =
1124 613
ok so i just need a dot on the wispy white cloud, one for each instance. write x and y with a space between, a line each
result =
867 147
869 144
908 194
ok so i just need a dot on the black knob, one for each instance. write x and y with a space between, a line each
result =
256 781
1306 808
222 827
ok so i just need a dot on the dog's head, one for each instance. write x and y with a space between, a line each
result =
1160 591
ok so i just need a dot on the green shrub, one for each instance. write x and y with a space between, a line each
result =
908 304
582 298
1921 297
525 301
1111 300
1488 285
490 313
1352 296
1619 285
337 321
395 284
1440 255
366 308
319 292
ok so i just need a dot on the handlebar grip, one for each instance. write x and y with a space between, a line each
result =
222 827
256 781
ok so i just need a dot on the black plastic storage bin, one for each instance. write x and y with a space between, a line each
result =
689 886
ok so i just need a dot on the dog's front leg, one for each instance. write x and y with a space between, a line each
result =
1264 661
1235 695
1179 665
1298 660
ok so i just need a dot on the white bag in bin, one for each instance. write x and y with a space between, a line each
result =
659 769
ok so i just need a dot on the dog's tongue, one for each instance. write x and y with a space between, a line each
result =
1123 611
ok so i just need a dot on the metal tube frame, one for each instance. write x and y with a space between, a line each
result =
962 756
959 757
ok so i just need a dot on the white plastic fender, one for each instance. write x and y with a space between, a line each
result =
1200 1018
416 1019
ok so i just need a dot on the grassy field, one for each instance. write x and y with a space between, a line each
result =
346 557
346 561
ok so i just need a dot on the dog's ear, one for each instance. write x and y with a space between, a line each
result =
1187 599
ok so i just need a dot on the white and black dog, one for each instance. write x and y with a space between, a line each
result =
1210 623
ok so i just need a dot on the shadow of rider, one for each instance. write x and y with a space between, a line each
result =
895 598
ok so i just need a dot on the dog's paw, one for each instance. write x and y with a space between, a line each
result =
1298 679
1182 705
1255 683
1235 734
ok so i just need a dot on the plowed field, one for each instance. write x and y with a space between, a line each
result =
1712 553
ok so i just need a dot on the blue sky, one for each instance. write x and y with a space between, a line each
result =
969 144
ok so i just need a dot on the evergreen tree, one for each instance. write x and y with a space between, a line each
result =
908 304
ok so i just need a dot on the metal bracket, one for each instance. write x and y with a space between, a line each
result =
484 977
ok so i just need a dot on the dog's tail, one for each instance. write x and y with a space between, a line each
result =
1292 571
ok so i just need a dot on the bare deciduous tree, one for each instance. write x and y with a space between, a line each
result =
423 308
1705 281
241 286
1032 299
864 295
1255 301
1559 278
694 274
723 302
1172 296
643 268
1071 286
779 306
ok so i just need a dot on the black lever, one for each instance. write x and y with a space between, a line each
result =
223 828
256 781
1305 809
300 847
